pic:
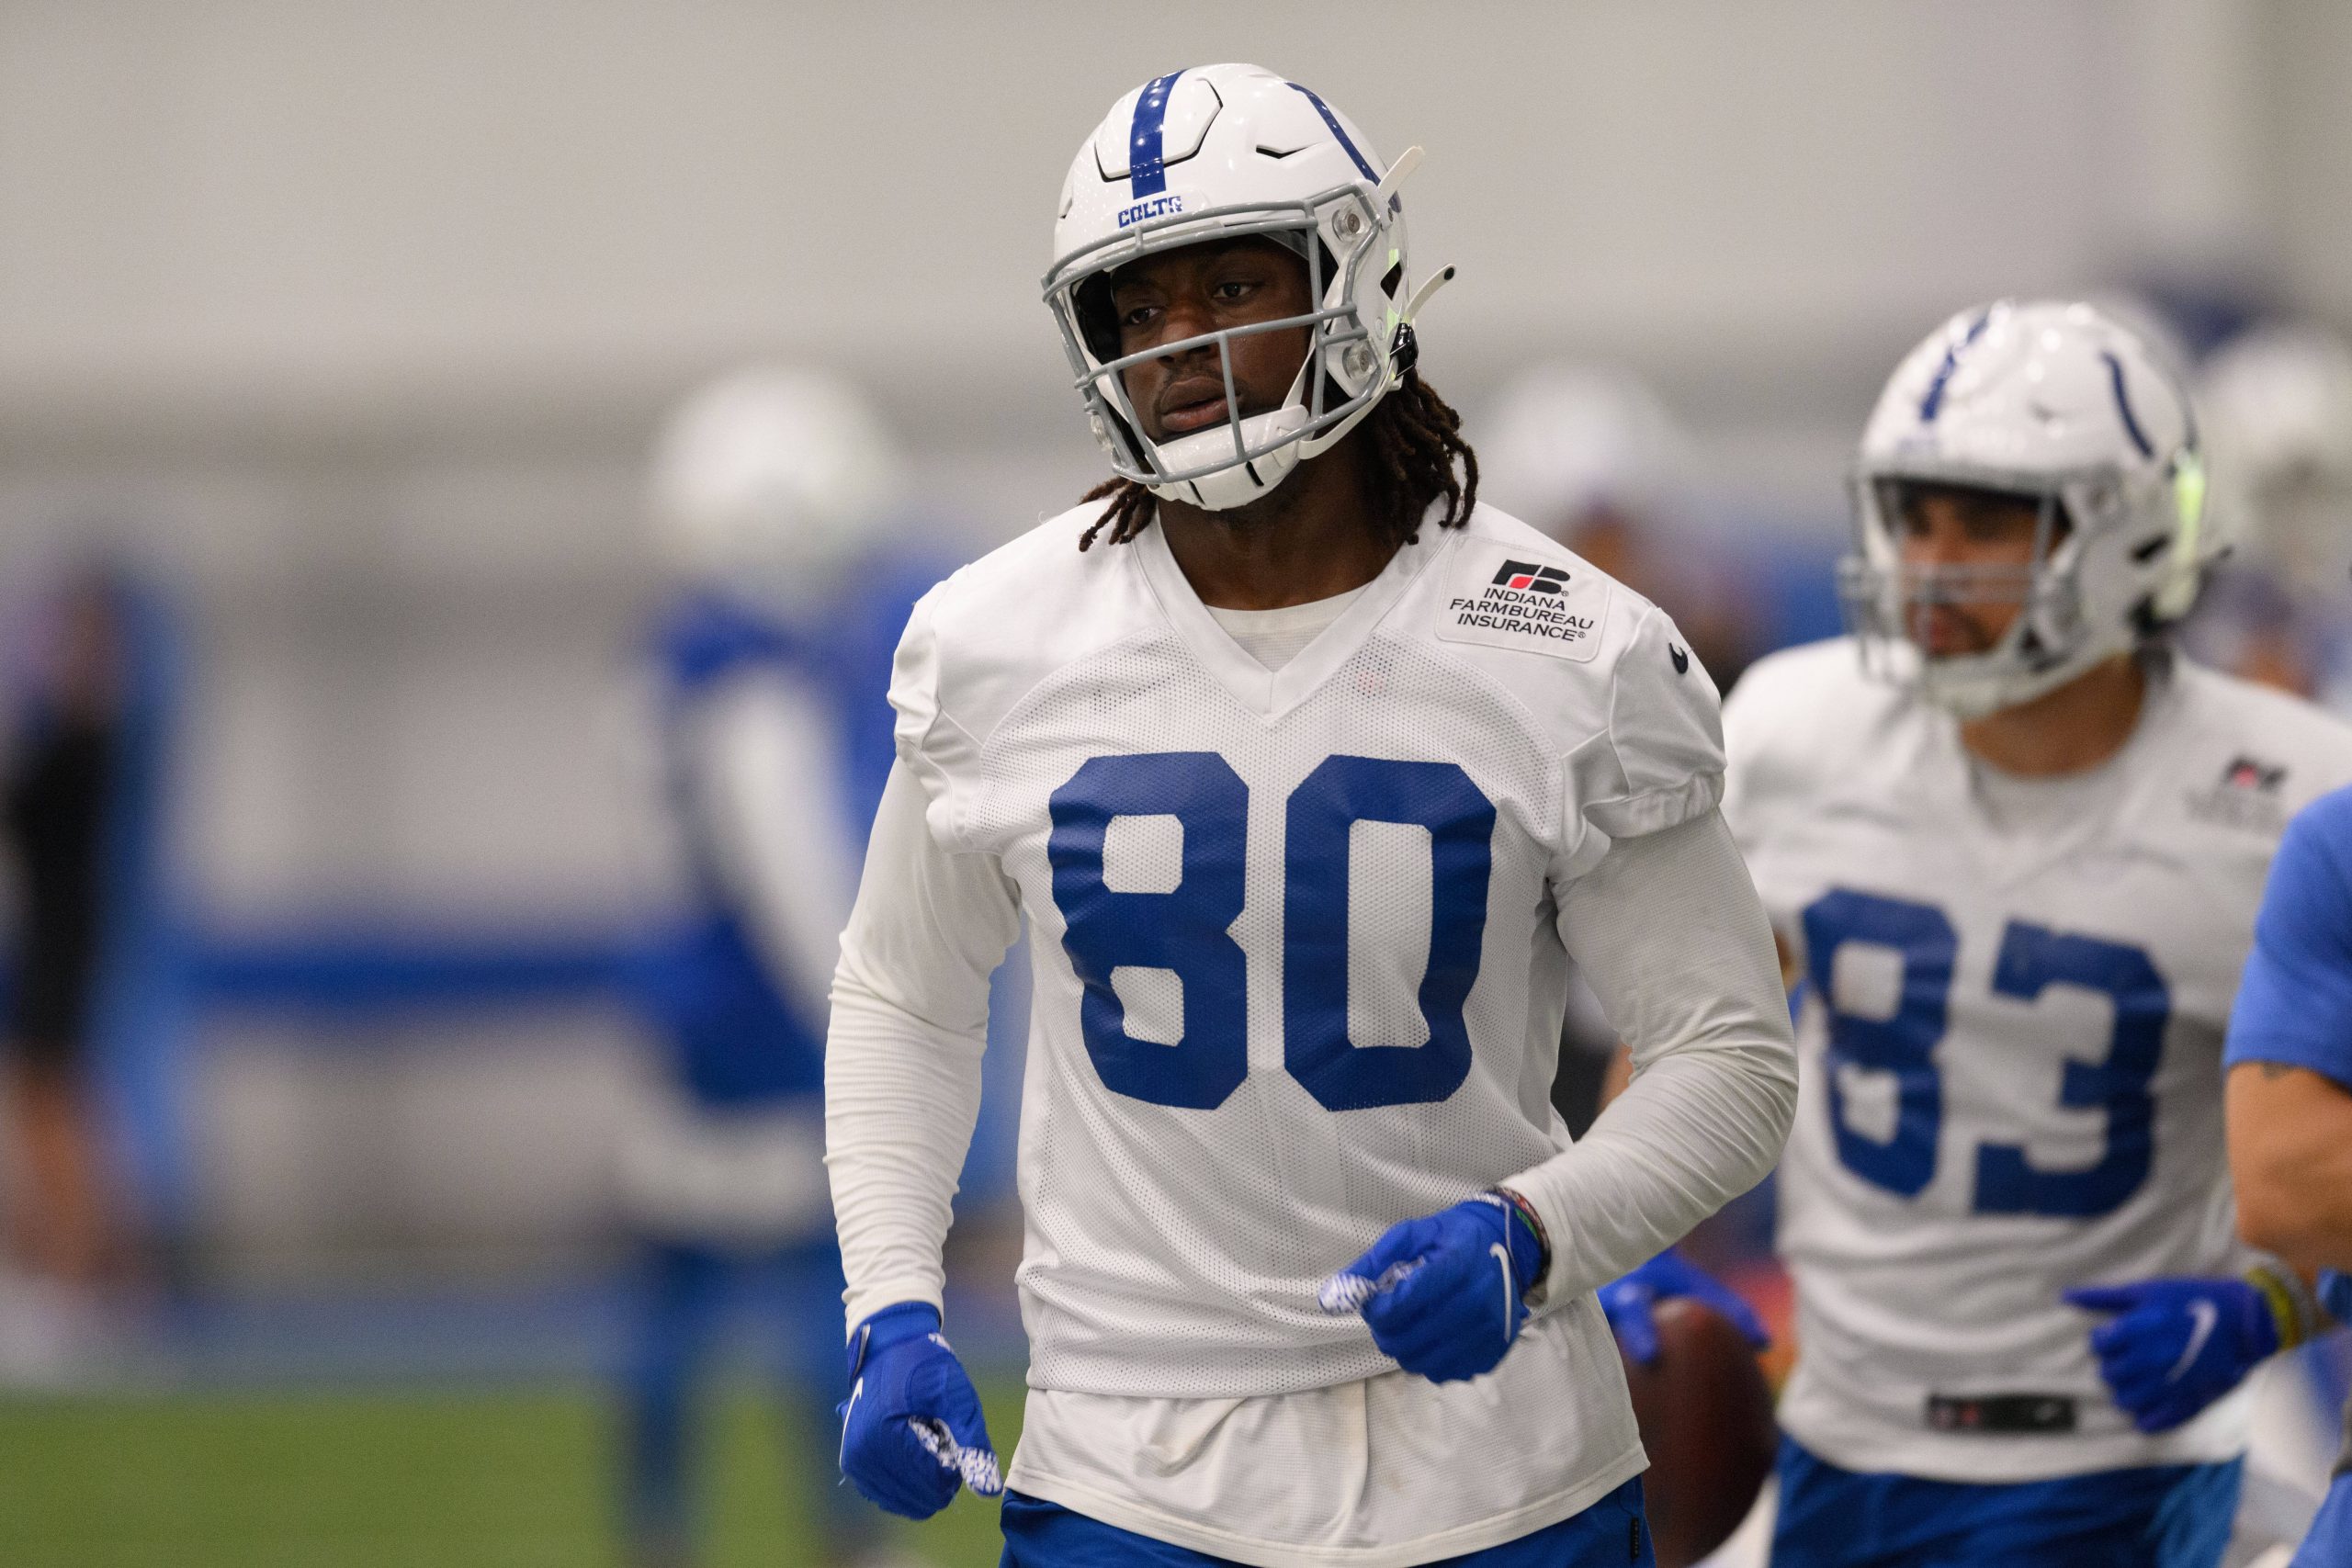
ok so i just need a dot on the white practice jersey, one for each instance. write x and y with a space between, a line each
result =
1296 975
1299 938
2013 999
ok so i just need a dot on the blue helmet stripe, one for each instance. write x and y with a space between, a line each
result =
1933 403
1333 121
2123 406
1147 175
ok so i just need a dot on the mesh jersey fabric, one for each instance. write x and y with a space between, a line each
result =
1174 1248
1394 1469
2009 1040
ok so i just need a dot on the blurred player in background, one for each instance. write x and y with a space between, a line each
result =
2013 847
62 781
770 492
1310 771
2276 401
1596 459
1593 457
2290 1091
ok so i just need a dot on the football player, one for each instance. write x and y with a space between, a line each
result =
2013 847
2290 1059
2278 400
1308 772
72 768
770 489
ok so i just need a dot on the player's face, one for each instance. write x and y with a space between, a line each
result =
1204 288
1980 532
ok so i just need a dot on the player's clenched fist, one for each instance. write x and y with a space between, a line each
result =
1444 1295
911 1430
2176 1346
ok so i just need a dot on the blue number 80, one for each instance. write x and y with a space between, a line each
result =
1188 929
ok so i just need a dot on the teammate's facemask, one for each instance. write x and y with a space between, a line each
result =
2045 598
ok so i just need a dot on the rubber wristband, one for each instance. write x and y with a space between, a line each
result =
1527 1215
2293 1308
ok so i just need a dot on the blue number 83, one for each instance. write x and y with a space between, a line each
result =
1187 930
2031 960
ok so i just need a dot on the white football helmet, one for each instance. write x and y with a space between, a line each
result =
771 481
1566 440
2061 403
1221 152
2277 403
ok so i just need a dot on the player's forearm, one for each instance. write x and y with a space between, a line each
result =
901 1098
902 1055
1669 932
1687 1137
2291 1159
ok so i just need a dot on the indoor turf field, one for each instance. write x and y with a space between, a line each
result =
511 1477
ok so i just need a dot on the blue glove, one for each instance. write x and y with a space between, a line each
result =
2179 1345
911 1430
1444 1295
1628 1300
2336 1294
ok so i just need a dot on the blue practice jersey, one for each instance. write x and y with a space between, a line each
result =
2294 1003
739 1033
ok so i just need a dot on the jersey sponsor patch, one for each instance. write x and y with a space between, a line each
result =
1537 606
2248 795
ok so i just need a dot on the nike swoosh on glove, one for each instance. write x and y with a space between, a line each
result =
2177 1345
1443 1294
1629 1298
911 1430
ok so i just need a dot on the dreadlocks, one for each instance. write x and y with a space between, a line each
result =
1412 439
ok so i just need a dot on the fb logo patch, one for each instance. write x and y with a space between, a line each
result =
1531 606
1530 577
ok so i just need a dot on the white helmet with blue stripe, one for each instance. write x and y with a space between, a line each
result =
2061 403
771 481
1222 151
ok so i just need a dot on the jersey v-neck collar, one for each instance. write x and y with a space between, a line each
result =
1272 694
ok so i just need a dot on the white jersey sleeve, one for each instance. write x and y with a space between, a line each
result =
769 772
1668 930
902 1065
1660 760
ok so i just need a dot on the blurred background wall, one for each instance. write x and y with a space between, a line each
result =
353 321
